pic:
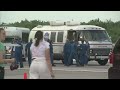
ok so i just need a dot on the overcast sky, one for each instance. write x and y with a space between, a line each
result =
82 16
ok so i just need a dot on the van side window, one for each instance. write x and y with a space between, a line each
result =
60 37
53 35
25 37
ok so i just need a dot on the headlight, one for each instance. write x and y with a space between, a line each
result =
91 51
110 50
9 51
96 54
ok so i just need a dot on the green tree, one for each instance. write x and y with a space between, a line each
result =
113 28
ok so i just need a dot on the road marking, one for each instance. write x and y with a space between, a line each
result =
84 70
71 70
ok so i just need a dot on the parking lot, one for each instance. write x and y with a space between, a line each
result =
92 71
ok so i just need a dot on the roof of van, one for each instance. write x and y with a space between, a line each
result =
9 28
64 27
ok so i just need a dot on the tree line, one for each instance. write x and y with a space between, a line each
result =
113 28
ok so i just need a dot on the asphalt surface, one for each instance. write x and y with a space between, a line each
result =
92 71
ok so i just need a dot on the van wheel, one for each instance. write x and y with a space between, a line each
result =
103 62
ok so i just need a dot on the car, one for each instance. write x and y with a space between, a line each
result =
114 60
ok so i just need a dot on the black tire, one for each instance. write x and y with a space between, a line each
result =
103 62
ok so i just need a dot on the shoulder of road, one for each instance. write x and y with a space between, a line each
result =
73 68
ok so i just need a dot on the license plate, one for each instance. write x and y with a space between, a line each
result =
102 57
99 57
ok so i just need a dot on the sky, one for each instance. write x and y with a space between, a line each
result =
82 16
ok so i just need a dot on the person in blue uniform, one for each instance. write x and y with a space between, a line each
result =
46 38
66 51
51 52
18 53
73 54
87 52
27 52
13 49
83 52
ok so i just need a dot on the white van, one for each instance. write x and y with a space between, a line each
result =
12 33
99 40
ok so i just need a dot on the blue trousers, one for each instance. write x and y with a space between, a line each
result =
51 58
83 59
13 54
29 59
18 58
72 56
66 57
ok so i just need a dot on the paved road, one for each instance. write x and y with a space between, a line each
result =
92 71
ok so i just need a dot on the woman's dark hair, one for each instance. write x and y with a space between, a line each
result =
38 37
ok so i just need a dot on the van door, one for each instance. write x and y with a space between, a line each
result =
58 45
60 41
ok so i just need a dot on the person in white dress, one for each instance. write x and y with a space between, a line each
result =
41 65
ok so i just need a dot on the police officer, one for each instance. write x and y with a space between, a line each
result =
51 52
13 49
87 51
27 52
46 38
66 51
73 54
83 52
18 53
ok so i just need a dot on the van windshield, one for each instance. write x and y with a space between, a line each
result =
8 40
96 35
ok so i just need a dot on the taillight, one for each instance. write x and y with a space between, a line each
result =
111 57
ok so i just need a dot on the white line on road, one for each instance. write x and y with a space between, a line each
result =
96 70
75 70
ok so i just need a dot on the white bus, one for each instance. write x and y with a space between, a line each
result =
59 32
12 33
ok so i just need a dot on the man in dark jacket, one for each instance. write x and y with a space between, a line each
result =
18 53
67 50
51 52
51 49
73 53
27 52
83 54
